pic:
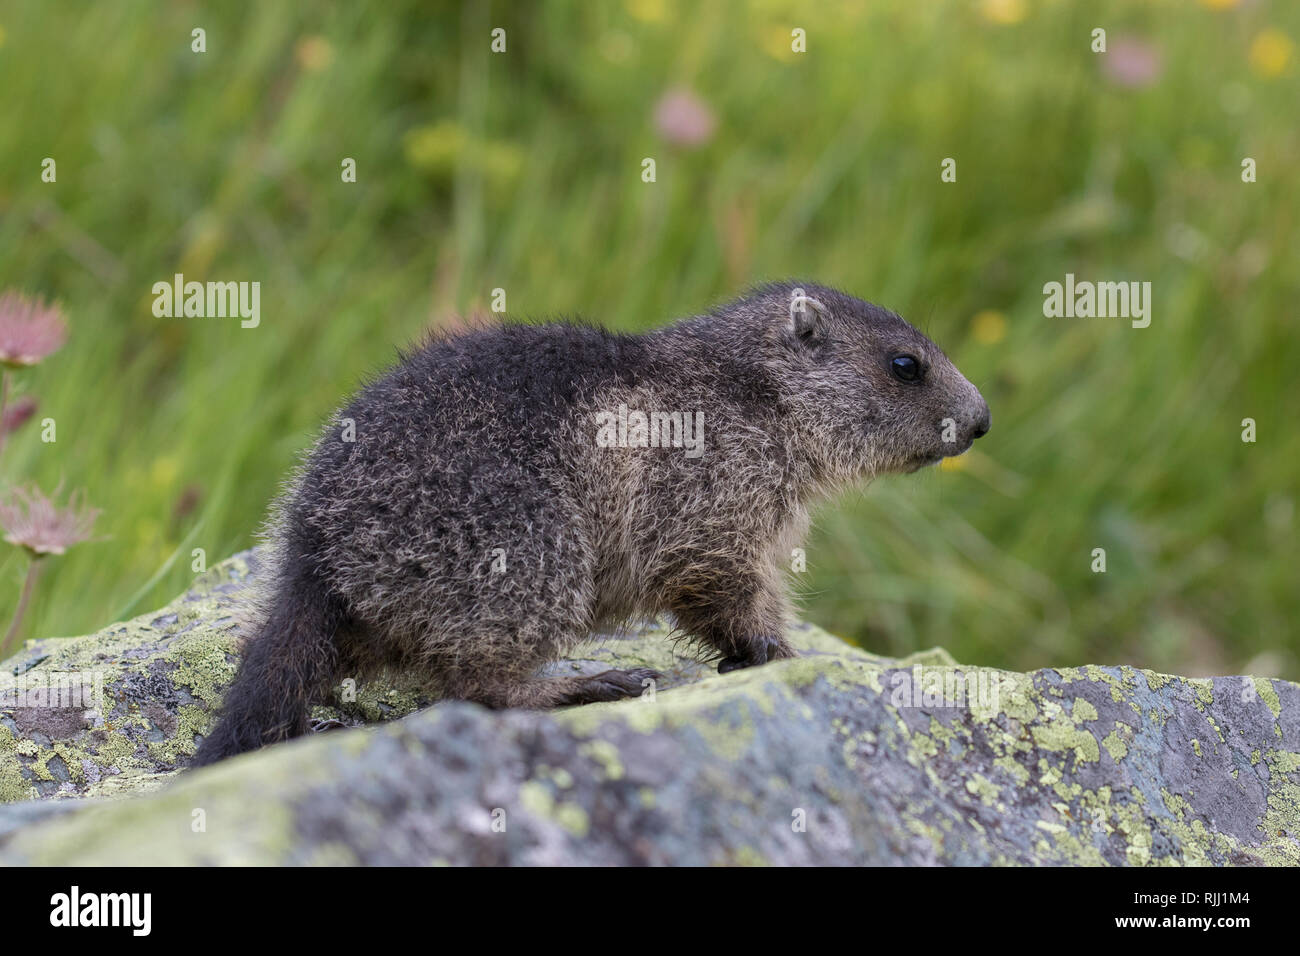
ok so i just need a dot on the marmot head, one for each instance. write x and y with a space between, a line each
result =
869 394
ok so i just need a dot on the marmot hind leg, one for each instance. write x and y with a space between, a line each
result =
541 693
494 661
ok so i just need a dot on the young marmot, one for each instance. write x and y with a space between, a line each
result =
503 492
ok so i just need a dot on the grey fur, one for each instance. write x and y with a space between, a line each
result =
482 447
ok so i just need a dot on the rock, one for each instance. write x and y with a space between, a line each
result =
838 757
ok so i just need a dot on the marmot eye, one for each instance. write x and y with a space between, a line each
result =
905 368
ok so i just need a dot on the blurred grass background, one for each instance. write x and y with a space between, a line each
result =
522 171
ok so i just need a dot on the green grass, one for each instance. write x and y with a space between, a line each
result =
522 171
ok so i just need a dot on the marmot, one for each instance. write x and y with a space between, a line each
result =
503 492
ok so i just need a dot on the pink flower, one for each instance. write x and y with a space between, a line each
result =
1131 62
31 521
30 330
683 119
22 408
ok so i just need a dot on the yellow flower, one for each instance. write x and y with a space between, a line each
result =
1004 11
1270 52
435 148
1220 4
164 471
989 327
778 43
648 11
314 53
954 464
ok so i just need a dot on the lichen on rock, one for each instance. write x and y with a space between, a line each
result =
835 757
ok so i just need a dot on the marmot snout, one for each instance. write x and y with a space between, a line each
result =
503 492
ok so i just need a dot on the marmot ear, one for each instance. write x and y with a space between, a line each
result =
808 318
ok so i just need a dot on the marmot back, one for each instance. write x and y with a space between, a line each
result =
501 493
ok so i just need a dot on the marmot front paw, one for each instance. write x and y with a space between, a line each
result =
764 648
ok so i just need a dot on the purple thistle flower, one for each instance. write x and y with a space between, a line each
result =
1132 62
16 414
33 522
30 330
683 119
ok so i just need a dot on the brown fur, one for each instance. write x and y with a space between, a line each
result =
482 447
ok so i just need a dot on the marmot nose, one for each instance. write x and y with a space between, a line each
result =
982 423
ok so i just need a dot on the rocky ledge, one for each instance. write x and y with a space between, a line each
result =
838 757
